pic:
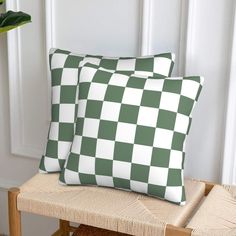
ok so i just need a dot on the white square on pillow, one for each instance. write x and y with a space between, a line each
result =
56 94
162 65
132 96
67 113
51 164
58 60
147 116
121 169
125 132
110 111
90 128
53 134
173 194
126 64
69 76
82 108
105 149
150 84
158 176
63 149
138 186
71 177
163 138
176 158
144 73
169 101
97 91
119 80
189 89
76 145
86 165
142 154
181 123
104 181
92 60
87 74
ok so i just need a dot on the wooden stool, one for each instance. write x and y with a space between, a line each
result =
105 211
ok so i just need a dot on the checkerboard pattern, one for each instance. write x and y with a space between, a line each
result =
64 71
130 132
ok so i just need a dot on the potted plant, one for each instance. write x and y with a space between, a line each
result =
10 19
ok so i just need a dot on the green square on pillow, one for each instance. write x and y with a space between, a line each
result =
93 109
107 130
88 146
128 113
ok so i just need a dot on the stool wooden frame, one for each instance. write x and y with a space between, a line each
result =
64 226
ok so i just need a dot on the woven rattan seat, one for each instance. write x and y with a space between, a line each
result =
217 214
210 209
106 208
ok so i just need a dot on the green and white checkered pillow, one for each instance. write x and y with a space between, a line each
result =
64 67
130 132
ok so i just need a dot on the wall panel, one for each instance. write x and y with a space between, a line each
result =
168 27
107 27
208 54
229 157
27 81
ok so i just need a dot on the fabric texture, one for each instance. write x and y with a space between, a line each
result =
130 132
132 213
64 67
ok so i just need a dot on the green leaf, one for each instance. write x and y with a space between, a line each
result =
7 28
1 2
11 20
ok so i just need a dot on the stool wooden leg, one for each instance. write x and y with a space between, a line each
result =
172 230
65 227
14 214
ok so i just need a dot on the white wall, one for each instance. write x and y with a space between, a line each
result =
201 34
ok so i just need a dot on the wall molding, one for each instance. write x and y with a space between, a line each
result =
18 145
50 43
229 156
186 39
183 37
188 64
50 32
146 28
